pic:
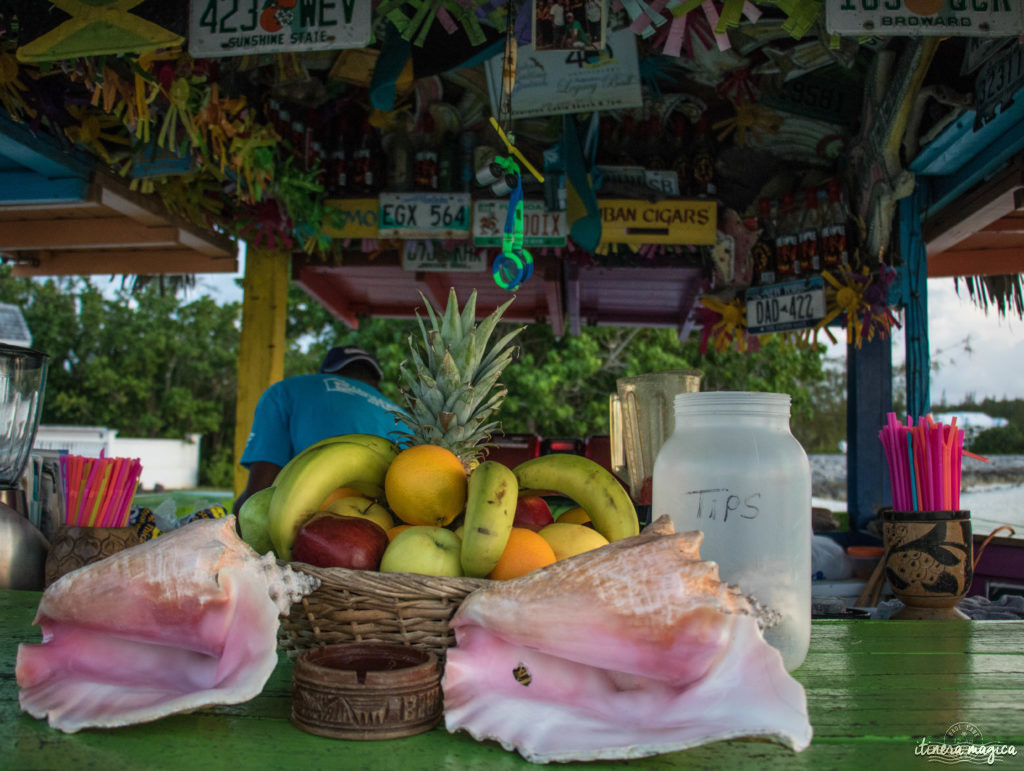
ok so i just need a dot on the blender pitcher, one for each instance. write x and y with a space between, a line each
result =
22 380
642 418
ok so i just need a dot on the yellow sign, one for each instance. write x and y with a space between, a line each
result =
627 221
352 217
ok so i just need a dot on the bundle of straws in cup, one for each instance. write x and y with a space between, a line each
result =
98 492
924 463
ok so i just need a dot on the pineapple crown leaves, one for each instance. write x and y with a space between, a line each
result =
451 376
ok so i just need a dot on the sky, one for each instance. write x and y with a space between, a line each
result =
979 354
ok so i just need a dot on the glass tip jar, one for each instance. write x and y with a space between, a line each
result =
733 470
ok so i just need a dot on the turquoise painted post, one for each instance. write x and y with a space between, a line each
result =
913 290
868 401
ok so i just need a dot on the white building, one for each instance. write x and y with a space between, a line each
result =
173 464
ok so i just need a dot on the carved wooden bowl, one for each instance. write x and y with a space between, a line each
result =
366 691
928 561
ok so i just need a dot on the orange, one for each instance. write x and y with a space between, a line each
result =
393 531
575 516
341 492
426 485
525 551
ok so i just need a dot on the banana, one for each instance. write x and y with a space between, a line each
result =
589 484
384 446
304 483
490 509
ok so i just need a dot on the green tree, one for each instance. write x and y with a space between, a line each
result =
144 363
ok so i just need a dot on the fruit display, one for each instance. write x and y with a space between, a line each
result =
432 503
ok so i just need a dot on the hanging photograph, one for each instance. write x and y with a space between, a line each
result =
569 25
558 83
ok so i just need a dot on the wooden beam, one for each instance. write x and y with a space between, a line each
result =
976 262
262 342
212 245
571 277
437 289
976 212
130 207
553 295
326 292
149 262
27 187
106 233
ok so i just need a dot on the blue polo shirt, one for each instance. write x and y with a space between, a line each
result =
299 411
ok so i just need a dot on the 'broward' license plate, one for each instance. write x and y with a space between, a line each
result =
782 307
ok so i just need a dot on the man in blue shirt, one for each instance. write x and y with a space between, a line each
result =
342 398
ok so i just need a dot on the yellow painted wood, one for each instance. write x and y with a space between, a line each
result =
354 218
687 221
262 343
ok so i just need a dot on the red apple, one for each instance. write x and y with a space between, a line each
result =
532 512
344 542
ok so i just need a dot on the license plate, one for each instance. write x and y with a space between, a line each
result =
782 307
946 18
540 226
425 215
237 27
432 257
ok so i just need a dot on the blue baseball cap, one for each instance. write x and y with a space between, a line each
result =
339 358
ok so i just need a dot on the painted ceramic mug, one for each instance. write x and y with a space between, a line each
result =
928 561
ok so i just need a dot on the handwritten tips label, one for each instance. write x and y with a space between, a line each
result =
721 503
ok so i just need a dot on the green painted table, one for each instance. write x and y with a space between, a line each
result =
874 690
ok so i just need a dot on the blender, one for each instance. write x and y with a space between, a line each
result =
22 380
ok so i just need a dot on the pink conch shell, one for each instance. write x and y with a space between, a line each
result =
179 622
627 651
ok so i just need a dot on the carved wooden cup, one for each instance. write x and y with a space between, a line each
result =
928 561
366 691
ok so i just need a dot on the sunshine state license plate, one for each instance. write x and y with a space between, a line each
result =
782 307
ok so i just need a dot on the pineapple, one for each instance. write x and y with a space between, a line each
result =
450 385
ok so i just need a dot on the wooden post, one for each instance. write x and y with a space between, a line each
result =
262 343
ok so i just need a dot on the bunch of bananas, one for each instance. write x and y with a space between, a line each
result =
273 517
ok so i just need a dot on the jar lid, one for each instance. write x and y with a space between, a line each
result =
733 402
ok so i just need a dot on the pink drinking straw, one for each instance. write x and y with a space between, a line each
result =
83 491
117 508
92 491
109 488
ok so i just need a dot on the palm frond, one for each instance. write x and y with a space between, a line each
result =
1004 292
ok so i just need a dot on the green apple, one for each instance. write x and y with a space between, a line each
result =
358 506
426 549
252 520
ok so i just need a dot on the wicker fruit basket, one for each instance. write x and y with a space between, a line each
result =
366 606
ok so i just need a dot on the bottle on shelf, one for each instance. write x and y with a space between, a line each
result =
337 163
426 158
833 232
763 250
681 151
786 258
703 162
364 176
808 248
466 169
653 147
400 155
